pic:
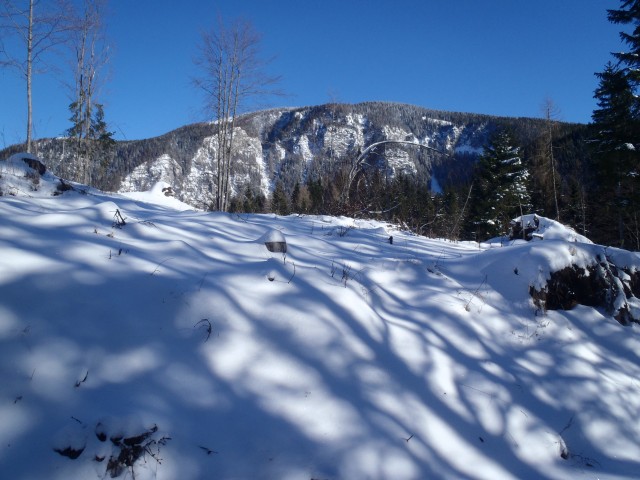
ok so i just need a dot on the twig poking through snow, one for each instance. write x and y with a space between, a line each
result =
475 293
564 450
80 382
118 220
294 273
208 450
208 326
161 263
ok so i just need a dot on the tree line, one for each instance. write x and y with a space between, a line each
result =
512 176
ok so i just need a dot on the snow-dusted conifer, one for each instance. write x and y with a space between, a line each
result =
501 187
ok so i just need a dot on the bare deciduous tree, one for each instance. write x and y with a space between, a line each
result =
232 74
37 27
551 112
90 54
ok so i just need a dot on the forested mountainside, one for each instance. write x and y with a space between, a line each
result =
292 159
292 145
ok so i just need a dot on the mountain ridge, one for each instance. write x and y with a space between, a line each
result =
292 145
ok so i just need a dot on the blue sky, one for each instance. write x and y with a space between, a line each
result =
500 57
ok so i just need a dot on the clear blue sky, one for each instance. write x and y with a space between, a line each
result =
500 57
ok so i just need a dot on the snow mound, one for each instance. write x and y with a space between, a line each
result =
535 227
25 175
274 241
160 194
162 188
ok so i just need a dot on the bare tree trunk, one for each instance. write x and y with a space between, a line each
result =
549 110
583 209
553 169
233 111
221 77
29 76
38 27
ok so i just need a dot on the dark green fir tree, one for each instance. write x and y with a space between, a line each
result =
500 189
616 136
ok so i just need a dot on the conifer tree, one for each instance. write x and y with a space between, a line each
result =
316 194
619 85
501 188
615 129
296 198
629 14
279 200
616 132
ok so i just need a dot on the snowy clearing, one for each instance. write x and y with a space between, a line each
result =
172 344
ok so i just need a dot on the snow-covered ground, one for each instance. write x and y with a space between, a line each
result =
176 345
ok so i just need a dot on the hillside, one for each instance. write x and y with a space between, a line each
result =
292 145
142 338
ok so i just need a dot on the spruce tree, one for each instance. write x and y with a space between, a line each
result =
316 194
295 198
615 129
279 200
623 81
629 14
500 190
92 146
614 118
616 134
102 139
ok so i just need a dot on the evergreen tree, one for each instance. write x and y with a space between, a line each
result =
615 116
501 188
92 147
616 134
316 194
279 200
452 214
104 144
615 129
295 197
629 14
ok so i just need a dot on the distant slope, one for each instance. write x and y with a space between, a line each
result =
292 145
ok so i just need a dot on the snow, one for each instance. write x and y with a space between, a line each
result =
468 149
157 195
549 229
17 178
347 358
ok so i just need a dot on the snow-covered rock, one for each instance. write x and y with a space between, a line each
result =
24 174
536 227
574 271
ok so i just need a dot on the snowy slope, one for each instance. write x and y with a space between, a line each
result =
177 346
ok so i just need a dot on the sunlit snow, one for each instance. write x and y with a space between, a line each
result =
348 357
